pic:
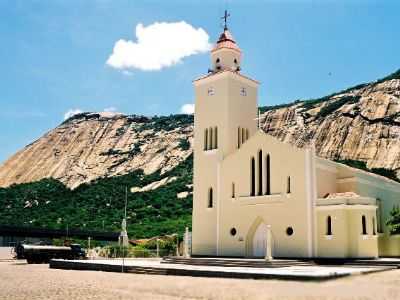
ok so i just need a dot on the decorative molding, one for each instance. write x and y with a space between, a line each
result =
346 200
210 152
347 207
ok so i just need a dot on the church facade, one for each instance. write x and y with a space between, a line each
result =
246 181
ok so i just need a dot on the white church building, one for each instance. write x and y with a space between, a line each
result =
246 181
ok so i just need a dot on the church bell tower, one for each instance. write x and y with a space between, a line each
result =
225 118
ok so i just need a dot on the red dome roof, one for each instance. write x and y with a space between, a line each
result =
226 40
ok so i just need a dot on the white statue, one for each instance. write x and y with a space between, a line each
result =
124 234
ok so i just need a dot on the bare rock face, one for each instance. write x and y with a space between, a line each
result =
359 124
89 146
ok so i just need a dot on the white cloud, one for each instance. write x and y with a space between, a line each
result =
72 112
187 109
159 45
127 73
110 109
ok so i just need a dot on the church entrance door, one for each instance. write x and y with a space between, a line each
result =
260 241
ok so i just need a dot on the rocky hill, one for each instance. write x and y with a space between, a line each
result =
361 123
90 145
76 175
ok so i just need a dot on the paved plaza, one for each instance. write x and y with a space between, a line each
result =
312 272
21 281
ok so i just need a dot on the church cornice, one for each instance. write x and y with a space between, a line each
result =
224 72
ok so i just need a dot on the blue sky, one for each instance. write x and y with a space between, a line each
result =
54 54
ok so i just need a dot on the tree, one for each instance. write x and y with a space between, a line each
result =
393 222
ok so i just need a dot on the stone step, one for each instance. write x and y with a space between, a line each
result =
226 262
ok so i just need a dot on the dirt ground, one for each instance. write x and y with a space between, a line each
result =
19 280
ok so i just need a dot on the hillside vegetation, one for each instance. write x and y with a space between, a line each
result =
49 203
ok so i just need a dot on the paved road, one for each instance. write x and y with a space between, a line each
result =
5 253
22 281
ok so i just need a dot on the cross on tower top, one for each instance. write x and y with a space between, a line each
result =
225 17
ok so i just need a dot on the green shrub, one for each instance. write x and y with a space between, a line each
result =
48 203
184 144
334 105
393 222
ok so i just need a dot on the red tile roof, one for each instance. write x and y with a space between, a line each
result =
226 40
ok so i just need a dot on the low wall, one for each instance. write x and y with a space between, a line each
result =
389 245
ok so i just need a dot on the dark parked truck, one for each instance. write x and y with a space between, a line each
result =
36 254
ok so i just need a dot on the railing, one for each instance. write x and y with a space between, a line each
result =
103 253
346 201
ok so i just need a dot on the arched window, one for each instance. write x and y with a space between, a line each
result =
210 198
288 185
373 226
243 135
217 60
215 137
239 138
233 190
210 140
329 225
379 215
206 139
253 177
260 173
364 225
268 176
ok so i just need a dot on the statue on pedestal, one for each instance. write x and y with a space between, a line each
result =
123 237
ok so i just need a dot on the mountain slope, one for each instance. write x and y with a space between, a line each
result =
99 205
361 123
90 146
92 158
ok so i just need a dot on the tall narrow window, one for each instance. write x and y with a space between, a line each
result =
373 226
260 173
268 176
243 136
253 177
233 190
379 215
364 225
215 137
247 134
210 140
288 185
210 198
239 138
329 225
206 139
